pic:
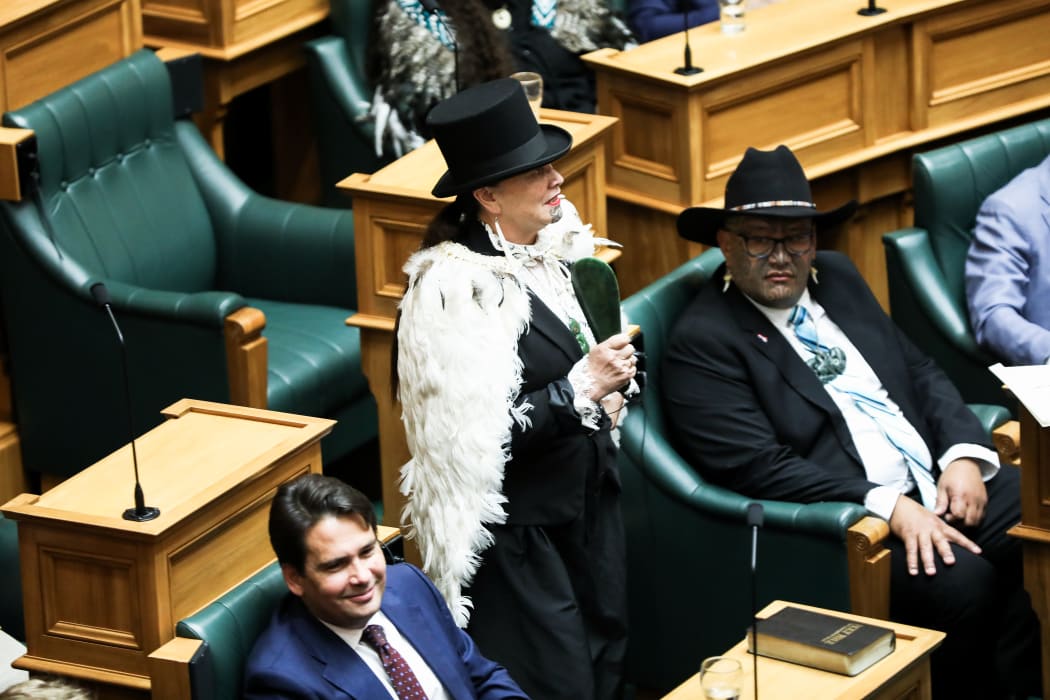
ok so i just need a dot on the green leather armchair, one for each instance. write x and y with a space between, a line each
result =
688 543
925 264
222 294
341 95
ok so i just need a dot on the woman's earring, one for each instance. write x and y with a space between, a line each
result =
726 279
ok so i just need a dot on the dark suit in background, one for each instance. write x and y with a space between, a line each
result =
299 657
752 416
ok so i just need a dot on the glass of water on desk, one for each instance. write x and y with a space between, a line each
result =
732 16
720 678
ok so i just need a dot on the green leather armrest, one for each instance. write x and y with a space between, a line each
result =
203 308
272 249
664 467
910 249
991 416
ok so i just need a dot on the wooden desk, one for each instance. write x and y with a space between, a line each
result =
247 45
100 592
852 96
392 208
905 673
1034 527
48 44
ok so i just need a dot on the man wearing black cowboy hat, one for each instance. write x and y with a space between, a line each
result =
784 384
509 405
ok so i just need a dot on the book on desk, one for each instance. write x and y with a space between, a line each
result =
821 641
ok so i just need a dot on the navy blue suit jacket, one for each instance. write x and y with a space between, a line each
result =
298 657
745 409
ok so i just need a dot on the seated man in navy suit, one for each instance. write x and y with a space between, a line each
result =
782 385
351 627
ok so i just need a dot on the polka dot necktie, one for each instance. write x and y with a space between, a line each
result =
405 683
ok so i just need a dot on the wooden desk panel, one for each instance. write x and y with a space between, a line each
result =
47 44
854 97
903 675
100 592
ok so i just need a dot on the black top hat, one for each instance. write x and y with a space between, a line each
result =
488 133
766 183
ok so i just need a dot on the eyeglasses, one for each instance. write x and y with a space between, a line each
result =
763 246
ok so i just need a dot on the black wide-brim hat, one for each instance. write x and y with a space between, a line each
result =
488 133
766 183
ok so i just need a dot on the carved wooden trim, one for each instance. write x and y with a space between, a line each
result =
246 357
1007 441
869 567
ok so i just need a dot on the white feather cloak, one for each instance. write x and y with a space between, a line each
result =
459 374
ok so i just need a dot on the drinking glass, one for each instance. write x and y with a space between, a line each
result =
732 16
720 678
532 84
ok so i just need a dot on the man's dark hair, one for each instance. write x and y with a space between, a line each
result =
299 504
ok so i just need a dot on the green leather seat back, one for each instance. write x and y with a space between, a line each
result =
120 196
925 264
951 183
230 626
11 616
141 201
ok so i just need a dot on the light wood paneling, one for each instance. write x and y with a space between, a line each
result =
854 97
101 592
47 44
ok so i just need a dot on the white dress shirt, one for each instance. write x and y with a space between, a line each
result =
883 462
352 636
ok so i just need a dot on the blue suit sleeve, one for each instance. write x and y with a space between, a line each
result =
999 266
489 680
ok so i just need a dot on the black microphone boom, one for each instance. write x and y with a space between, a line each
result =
431 7
755 516
688 68
141 512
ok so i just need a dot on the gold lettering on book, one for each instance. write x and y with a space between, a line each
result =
840 634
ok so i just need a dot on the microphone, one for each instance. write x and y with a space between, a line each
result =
688 68
755 516
431 7
141 512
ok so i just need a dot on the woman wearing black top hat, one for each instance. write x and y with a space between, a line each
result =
509 405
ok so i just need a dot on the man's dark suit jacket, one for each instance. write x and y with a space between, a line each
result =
745 409
298 657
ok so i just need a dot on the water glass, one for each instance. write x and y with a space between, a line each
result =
732 16
532 84
720 678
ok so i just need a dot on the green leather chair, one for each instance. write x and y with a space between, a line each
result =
925 264
196 264
688 543
341 95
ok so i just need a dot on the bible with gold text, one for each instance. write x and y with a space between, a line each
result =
822 641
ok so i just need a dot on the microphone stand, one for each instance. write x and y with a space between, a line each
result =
688 68
871 10
755 516
141 512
